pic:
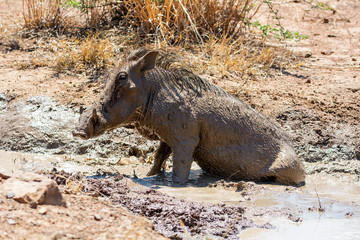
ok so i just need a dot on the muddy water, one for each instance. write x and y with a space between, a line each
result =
294 212
315 228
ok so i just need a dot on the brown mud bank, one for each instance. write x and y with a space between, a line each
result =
79 217
174 217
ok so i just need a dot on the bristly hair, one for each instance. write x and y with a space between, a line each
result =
181 78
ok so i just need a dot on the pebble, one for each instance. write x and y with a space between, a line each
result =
97 217
33 205
11 221
10 195
42 210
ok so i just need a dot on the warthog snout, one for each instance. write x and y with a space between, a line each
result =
88 123
80 134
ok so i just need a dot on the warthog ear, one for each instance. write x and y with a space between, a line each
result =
147 62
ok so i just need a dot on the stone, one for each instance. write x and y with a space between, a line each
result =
10 195
32 189
42 210
98 217
4 176
11 221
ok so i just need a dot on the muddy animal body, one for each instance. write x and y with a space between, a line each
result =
195 121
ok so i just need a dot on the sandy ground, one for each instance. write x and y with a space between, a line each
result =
317 103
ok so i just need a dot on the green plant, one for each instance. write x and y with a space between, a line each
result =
321 5
279 32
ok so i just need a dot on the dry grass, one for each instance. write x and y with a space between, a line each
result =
41 14
84 55
236 57
98 12
169 22
9 33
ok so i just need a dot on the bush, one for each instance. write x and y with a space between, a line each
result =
171 21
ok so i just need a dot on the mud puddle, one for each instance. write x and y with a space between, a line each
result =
327 207
317 228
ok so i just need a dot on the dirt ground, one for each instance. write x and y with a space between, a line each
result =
317 103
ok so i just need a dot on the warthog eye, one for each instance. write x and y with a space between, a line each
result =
121 76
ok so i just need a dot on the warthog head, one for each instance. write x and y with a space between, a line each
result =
123 95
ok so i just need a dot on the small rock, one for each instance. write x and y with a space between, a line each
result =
326 20
97 217
307 55
308 81
42 210
357 154
31 187
4 176
10 195
354 59
11 221
332 35
33 205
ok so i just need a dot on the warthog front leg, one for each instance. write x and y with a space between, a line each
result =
162 153
183 158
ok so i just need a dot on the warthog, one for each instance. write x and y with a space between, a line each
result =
194 120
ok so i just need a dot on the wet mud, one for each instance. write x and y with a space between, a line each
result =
328 143
41 125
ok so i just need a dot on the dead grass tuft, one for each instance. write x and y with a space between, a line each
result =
72 184
169 22
42 14
84 55
237 56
